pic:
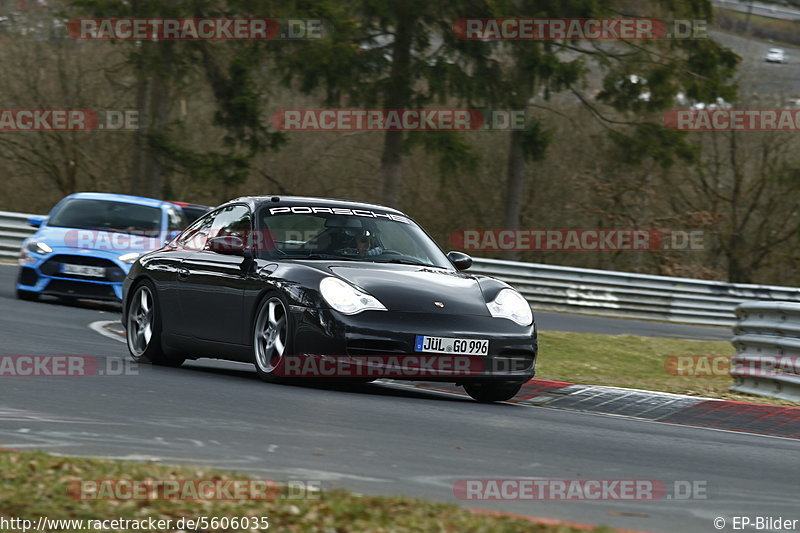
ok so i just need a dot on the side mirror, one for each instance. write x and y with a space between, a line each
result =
460 260
36 221
227 245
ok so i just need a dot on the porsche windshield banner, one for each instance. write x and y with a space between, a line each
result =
304 209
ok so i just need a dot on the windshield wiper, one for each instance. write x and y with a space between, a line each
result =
334 257
320 256
406 262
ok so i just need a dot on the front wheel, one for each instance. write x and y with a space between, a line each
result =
488 391
271 337
143 330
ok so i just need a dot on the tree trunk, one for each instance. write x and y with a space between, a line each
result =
139 160
737 272
159 115
398 97
516 169
515 187
153 99
391 162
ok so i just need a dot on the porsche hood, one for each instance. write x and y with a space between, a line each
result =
418 289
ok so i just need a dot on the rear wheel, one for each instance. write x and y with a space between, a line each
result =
488 391
271 337
144 328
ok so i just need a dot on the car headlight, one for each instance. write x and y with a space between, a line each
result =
38 247
511 305
347 299
130 258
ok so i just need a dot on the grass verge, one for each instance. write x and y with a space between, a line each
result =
36 484
634 362
770 29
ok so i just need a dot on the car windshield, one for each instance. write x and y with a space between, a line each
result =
368 236
104 215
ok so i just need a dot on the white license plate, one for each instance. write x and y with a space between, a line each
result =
424 343
83 270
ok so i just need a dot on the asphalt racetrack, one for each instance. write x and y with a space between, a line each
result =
379 438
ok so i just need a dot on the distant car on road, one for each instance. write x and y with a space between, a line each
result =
285 282
719 103
89 241
775 55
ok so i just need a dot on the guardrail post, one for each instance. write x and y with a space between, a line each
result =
767 342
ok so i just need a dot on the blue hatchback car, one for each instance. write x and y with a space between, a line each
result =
85 247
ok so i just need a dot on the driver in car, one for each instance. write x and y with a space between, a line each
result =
363 243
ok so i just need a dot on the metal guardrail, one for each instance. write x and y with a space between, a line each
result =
571 289
767 342
628 295
14 229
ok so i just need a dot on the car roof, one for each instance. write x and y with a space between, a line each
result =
279 200
125 198
190 205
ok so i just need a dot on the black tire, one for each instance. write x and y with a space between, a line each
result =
28 296
143 328
271 337
488 391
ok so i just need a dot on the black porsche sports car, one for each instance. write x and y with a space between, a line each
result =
310 287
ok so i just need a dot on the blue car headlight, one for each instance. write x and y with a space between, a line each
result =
38 247
511 305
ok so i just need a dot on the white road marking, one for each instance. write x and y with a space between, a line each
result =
322 475
100 327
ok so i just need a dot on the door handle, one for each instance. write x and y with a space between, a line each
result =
183 273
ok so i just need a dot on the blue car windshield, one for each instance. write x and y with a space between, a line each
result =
344 234
105 215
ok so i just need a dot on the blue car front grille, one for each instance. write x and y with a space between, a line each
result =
52 268
76 289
